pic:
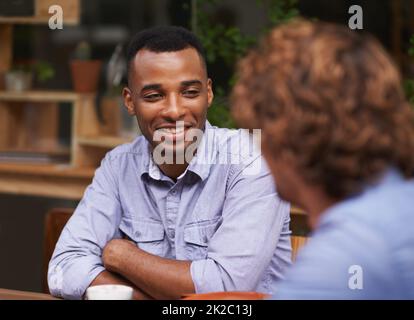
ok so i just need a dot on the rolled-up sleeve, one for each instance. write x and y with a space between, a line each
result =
76 260
243 246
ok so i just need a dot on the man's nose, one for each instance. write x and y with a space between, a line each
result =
173 108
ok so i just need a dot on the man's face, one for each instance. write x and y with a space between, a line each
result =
166 88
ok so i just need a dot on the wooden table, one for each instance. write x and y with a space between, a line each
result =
6 294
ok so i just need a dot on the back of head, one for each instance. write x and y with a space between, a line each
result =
164 39
328 100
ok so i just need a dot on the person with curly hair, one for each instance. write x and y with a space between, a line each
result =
338 135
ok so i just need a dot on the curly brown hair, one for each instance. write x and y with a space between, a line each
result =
329 100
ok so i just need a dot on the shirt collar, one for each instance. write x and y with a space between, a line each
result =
340 210
202 161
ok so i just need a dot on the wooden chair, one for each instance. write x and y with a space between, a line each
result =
297 243
55 221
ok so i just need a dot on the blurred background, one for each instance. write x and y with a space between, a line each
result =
54 129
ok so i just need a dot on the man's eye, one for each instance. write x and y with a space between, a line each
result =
153 97
191 93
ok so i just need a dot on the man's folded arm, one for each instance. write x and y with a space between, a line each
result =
161 278
238 253
77 261
242 247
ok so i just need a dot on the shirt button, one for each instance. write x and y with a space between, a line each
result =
172 233
137 233
173 192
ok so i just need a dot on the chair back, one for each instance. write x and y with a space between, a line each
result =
297 243
55 221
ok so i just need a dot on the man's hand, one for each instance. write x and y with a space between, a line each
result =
159 277
111 256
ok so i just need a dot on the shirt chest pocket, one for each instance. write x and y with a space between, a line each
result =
197 238
148 235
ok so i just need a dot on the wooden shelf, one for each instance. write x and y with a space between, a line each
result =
47 170
35 20
67 181
33 127
71 13
103 141
42 154
52 150
41 96
51 180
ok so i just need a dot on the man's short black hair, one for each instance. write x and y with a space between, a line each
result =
164 39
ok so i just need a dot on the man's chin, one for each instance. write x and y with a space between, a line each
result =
165 153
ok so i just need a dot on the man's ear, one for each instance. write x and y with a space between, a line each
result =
210 94
128 102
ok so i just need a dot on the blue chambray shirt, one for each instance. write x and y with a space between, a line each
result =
231 225
362 249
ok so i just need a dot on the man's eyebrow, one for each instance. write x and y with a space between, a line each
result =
153 86
190 83
157 86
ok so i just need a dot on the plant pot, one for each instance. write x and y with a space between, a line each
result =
18 80
85 75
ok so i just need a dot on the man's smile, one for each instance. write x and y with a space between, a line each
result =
174 132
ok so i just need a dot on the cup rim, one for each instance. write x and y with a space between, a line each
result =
118 287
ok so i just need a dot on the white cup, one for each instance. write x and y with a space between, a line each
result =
109 292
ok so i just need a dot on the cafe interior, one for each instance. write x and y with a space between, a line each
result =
61 107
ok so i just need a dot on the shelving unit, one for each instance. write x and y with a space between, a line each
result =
71 9
87 147
102 141
29 123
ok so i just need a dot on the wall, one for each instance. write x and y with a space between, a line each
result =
21 240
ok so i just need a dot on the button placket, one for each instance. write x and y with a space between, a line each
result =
172 208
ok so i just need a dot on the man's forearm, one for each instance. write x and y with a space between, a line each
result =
106 277
159 277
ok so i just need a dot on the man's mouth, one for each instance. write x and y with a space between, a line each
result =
174 130
173 133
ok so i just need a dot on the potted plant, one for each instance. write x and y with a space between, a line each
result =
20 77
85 71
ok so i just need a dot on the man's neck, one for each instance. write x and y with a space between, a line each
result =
173 170
315 202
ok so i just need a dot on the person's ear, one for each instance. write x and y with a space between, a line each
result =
128 102
210 94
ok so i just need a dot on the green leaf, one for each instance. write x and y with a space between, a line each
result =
411 49
228 44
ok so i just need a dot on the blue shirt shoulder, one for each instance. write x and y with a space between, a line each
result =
362 249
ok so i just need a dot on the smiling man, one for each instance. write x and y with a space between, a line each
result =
170 226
